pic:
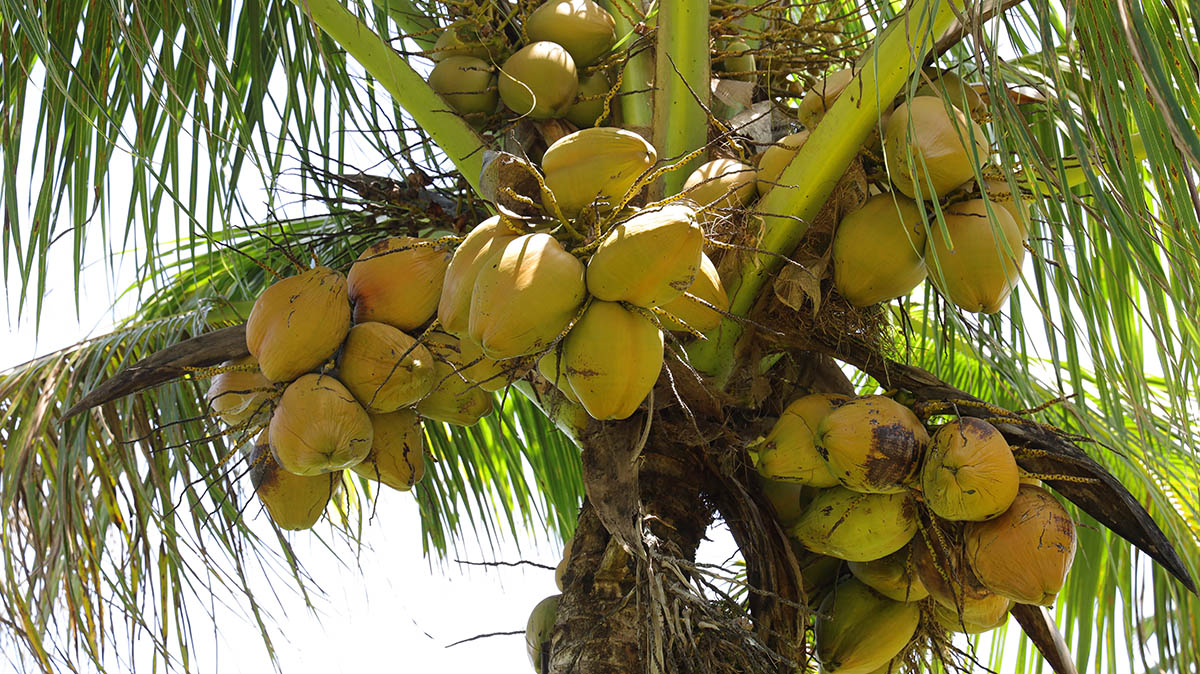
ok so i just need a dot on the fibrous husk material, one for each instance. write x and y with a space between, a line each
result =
789 452
467 83
776 158
238 395
879 249
294 502
398 281
612 358
384 368
488 238
539 81
969 472
686 311
872 444
855 526
525 297
582 27
894 576
319 427
858 630
298 323
538 629
1025 553
649 259
597 165
455 399
932 146
976 268
397 456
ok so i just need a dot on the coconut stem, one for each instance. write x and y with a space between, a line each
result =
682 90
636 104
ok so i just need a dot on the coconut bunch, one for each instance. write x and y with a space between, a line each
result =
554 74
945 525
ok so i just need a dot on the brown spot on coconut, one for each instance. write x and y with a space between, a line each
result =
1025 553
486 239
612 358
879 249
854 526
551 368
298 323
319 427
237 395
859 630
398 281
969 472
384 368
872 444
789 452
649 259
294 502
397 456
894 576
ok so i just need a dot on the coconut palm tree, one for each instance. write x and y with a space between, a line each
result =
126 501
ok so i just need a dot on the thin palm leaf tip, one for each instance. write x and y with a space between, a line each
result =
1062 143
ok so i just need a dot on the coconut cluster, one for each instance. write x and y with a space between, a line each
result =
554 74
913 524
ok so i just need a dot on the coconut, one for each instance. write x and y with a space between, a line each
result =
776 158
789 453
294 502
237 395
298 323
692 310
948 86
738 63
721 184
586 113
976 269
927 141
319 427
822 95
561 568
451 43
951 583
878 250
857 630
488 238
398 281
855 526
596 165
872 444
949 620
1025 553
969 472
551 368
612 358
539 81
999 192
397 456
538 629
818 574
788 499
525 297
467 83
649 259
384 368
454 398
582 27
894 576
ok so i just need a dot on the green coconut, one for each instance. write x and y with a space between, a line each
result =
467 83
582 27
776 158
539 81
932 146
977 266
856 527
589 105
538 629
858 630
789 452
894 576
878 250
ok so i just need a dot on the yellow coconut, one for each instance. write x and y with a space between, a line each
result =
298 323
878 250
790 453
943 569
928 145
872 444
582 27
822 96
721 184
561 568
612 358
453 43
467 83
586 113
1025 553
788 499
976 269
649 259
818 574
454 398
238 395
855 526
525 297
398 281
539 81
776 158
384 368
397 456
488 238
950 87
969 472
551 368
597 165
858 630
693 307
737 61
538 629
894 576
294 502
949 619
319 427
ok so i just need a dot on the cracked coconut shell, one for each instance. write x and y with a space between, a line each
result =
294 502
858 630
612 358
686 312
238 395
298 323
1025 553
454 398
582 27
600 164
879 249
969 472
929 145
789 453
487 238
872 444
649 259
398 281
980 270
397 456
319 427
525 297
856 527
467 83
539 81
384 368
894 576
